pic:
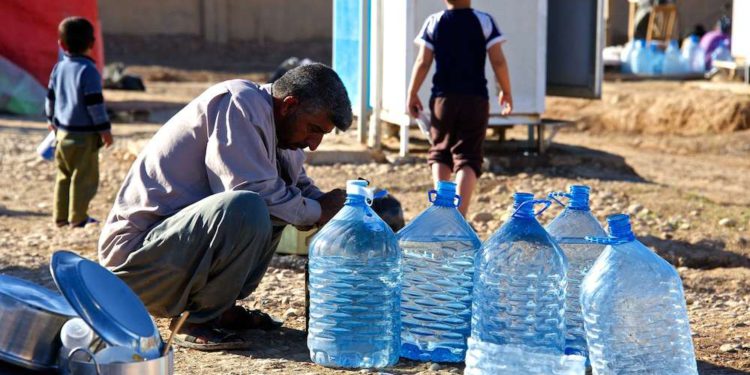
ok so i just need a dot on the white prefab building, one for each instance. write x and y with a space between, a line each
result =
553 48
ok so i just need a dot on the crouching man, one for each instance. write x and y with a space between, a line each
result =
201 211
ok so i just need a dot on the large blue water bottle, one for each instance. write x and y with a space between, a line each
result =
640 59
634 309
569 229
625 58
518 322
657 59
722 53
694 54
355 268
439 248
674 63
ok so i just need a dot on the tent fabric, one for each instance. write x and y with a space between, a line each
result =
28 37
20 93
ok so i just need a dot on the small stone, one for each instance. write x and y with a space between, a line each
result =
483 217
435 367
685 226
729 348
694 213
727 222
291 313
635 208
285 300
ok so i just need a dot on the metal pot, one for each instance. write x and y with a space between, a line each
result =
30 321
160 366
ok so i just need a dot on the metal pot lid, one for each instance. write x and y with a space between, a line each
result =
35 295
106 303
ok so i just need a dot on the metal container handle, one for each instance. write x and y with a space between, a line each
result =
87 351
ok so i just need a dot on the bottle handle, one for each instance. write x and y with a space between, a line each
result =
559 194
75 350
605 240
432 196
545 202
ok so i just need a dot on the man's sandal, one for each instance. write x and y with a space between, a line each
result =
206 338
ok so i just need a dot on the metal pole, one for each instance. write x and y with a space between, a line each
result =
364 65
377 74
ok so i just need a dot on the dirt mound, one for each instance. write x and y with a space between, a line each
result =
654 107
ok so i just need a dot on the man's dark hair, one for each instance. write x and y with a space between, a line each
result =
318 88
77 33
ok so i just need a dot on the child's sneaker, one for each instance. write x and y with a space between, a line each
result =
89 220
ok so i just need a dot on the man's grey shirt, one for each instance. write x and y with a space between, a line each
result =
223 140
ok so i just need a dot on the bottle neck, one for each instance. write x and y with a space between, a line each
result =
355 200
619 228
579 199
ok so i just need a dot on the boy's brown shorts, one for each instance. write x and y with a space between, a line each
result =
459 126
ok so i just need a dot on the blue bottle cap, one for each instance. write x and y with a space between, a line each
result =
619 227
579 197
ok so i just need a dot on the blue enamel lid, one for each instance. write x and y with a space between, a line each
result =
35 295
106 303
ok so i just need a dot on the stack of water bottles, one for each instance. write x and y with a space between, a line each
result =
650 59
529 300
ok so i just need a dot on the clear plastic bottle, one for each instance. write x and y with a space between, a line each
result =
438 249
519 295
657 59
625 58
634 309
640 60
674 63
694 54
355 270
722 52
569 229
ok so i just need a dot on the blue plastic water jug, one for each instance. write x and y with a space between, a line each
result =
519 289
634 309
439 248
674 63
569 229
355 270
640 60
694 54
722 52
625 57
46 148
656 56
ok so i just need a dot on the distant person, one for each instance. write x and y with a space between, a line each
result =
201 211
715 38
459 40
75 111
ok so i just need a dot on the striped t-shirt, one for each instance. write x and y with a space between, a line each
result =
459 39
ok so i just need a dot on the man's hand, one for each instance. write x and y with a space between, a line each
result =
106 138
330 204
506 104
414 105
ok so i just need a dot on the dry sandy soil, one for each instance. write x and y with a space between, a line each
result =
677 187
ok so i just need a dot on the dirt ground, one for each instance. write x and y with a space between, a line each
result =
687 191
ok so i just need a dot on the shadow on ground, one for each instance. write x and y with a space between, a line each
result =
560 160
704 254
705 368
15 213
